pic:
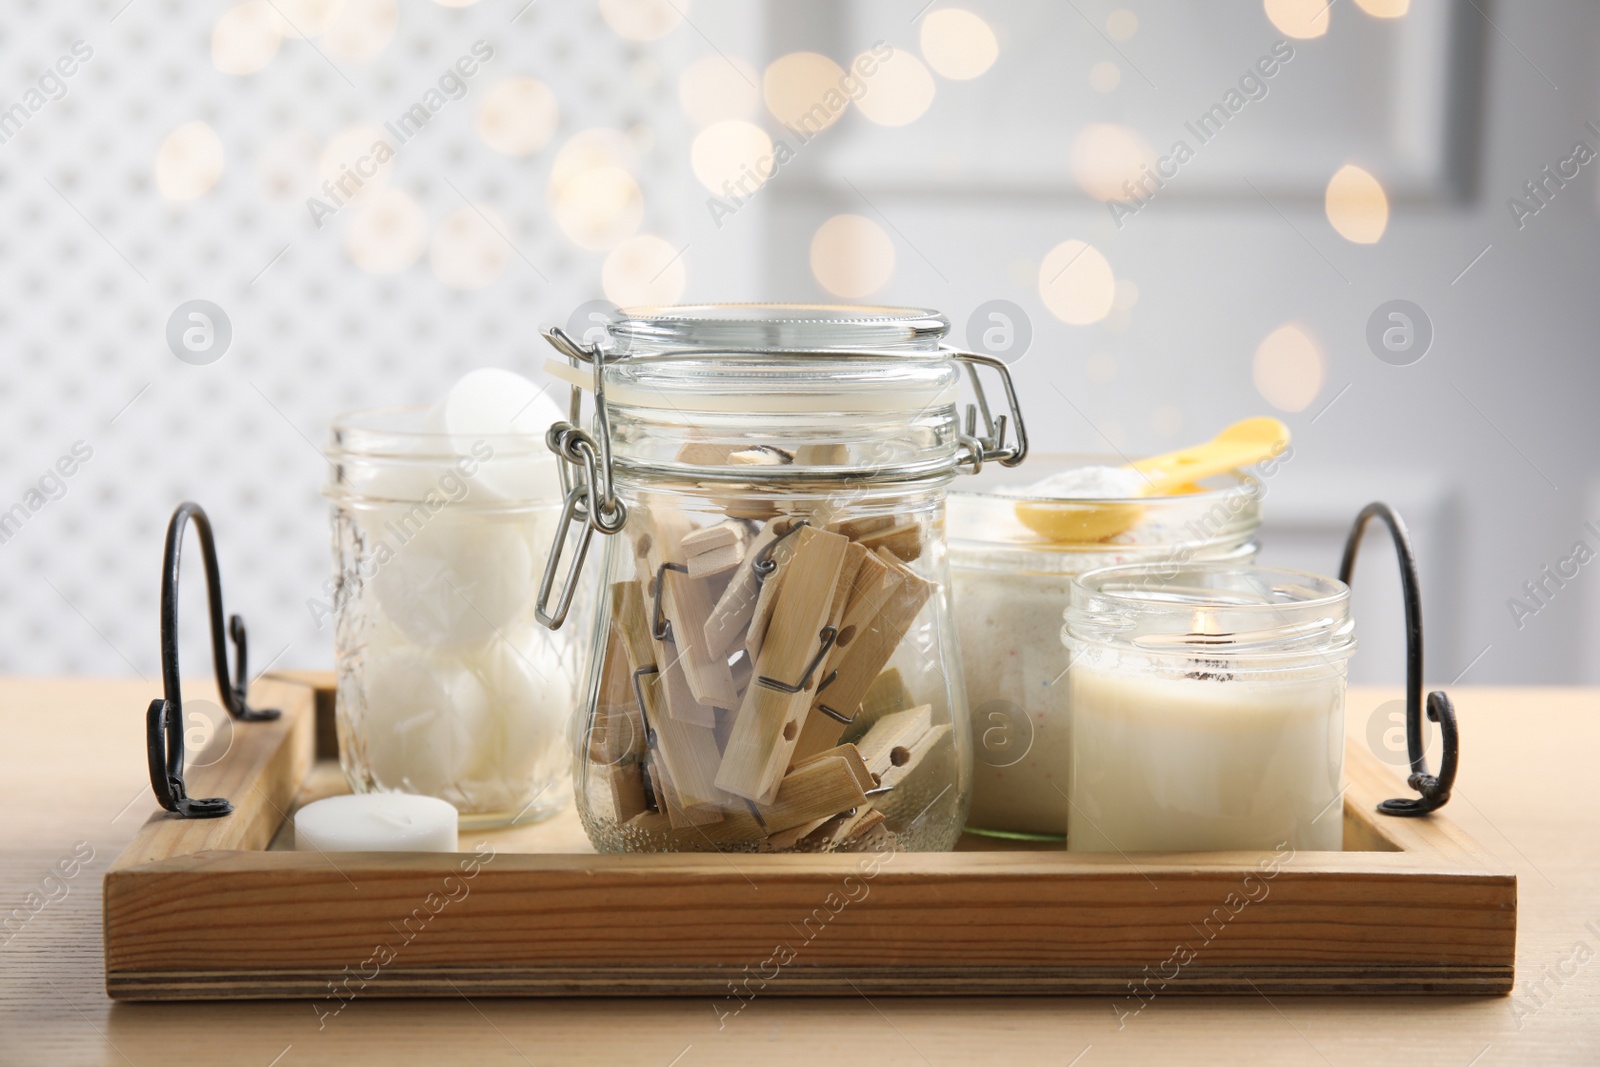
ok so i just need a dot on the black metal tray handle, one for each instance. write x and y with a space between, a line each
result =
164 720
1434 789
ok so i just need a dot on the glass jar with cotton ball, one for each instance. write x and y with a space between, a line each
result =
447 687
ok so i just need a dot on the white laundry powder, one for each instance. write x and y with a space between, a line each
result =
1083 483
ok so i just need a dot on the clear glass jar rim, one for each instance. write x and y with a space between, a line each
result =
397 431
1160 586
1219 610
986 533
732 329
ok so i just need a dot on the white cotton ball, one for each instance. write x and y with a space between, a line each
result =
522 757
408 480
531 696
454 581
510 414
493 401
426 717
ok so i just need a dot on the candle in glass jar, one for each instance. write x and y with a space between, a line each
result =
1204 763
1208 729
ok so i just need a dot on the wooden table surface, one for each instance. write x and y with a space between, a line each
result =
72 779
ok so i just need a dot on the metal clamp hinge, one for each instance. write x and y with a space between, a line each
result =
586 480
991 443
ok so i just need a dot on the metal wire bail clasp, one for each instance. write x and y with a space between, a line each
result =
991 444
590 494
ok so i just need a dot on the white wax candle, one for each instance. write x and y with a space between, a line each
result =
376 822
1189 764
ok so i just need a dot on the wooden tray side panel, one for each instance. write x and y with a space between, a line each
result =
1045 922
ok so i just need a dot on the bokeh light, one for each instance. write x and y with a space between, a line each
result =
898 92
1076 283
1356 205
1106 156
246 37
1384 9
589 150
1122 24
851 256
1301 19
957 43
1105 76
189 162
802 90
1289 369
717 88
600 209
387 234
643 20
643 270
517 116
731 153
305 18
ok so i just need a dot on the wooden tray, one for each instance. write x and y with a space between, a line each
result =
221 909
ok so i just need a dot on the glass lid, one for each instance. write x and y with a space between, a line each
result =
735 328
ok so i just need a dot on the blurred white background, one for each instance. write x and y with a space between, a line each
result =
585 155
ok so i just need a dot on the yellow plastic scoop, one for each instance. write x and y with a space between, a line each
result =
1075 521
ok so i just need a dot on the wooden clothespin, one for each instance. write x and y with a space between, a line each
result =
833 782
681 604
797 640
866 642
684 761
893 738
730 616
715 549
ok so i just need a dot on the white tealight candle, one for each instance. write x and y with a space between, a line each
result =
376 822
